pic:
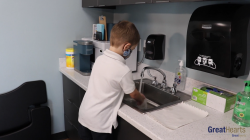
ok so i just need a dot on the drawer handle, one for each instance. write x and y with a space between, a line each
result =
140 2
161 1
73 125
101 5
71 102
90 6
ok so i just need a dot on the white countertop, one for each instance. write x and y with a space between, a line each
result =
195 130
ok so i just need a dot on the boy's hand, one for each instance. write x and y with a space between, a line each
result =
139 97
142 100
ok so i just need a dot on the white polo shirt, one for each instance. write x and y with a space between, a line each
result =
110 79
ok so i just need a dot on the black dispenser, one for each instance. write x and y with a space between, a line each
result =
155 47
218 40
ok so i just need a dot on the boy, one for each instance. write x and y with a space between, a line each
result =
109 80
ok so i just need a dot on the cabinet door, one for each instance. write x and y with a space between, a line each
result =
125 131
135 1
71 130
108 2
81 94
71 91
89 3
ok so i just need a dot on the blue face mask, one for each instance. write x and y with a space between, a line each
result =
127 53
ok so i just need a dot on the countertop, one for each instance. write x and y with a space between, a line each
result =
195 130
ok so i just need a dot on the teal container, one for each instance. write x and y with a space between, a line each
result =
241 114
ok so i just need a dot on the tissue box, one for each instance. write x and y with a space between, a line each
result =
215 100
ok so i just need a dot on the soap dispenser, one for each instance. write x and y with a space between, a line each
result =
241 114
180 77
155 47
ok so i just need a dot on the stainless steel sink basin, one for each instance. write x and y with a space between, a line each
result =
157 98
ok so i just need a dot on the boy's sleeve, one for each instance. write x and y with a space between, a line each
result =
127 83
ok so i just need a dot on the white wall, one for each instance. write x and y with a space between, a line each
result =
33 35
172 20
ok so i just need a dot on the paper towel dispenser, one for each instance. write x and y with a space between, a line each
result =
218 40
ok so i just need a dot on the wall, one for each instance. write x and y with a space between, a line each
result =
172 20
33 36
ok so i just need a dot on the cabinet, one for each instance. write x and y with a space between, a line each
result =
108 2
125 131
123 2
89 3
72 96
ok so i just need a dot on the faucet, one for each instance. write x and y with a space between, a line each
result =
155 83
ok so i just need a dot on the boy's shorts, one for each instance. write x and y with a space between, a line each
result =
86 134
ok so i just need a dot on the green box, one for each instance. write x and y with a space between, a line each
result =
214 100
199 96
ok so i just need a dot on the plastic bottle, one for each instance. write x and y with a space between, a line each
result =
241 114
180 77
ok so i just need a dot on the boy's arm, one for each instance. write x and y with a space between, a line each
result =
128 87
137 96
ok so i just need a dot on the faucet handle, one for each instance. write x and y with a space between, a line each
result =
154 82
163 84
174 85
173 89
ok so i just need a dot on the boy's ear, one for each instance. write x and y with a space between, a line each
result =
127 46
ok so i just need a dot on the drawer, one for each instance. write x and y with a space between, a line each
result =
71 111
81 94
71 90
71 129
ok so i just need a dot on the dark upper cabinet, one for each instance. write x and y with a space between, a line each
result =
112 3
89 3
135 1
108 2
160 1
165 1
184 0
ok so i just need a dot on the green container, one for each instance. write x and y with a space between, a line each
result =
241 114
221 102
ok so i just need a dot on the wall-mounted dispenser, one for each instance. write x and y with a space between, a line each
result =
155 47
218 40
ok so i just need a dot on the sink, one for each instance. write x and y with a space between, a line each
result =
156 97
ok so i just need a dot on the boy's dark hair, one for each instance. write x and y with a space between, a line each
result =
123 32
